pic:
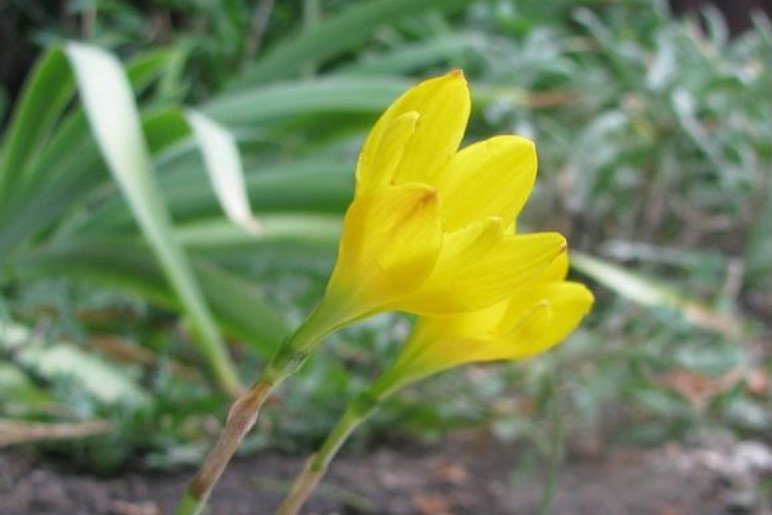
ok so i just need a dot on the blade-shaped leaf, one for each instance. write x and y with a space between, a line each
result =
416 56
308 186
297 228
647 292
224 168
62 164
112 114
329 95
44 99
337 34
126 264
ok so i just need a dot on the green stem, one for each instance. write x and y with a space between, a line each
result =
317 465
357 412
241 417
245 410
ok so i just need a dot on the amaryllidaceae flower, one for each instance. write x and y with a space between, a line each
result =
430 229
533 320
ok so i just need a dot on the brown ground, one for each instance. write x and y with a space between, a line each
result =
461 476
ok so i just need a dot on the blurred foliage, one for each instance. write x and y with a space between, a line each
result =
655 142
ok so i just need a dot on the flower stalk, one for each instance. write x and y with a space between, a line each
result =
246 409
316 466
241 417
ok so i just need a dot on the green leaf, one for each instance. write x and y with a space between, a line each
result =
43 100
307 186
292 228
345 31
46 94
648 292
149 66
258 106
414 57
334 36
224 168
628 284
243 310
112 114
126 264
67 167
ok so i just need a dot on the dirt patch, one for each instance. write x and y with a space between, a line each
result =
461 476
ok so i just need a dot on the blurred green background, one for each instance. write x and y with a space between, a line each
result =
654 134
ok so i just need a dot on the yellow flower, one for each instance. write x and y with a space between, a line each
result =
430 229
532 321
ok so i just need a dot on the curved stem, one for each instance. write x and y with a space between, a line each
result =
245 410
316 466
241 418
357 412
305 484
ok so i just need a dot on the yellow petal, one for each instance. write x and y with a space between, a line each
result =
557 270
420 359
473 273
380 158
443 105
389 245
454 350
568 303
470 243
544 317
491 178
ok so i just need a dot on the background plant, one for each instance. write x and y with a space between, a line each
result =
654 138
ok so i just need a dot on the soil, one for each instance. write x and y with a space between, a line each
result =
463 475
